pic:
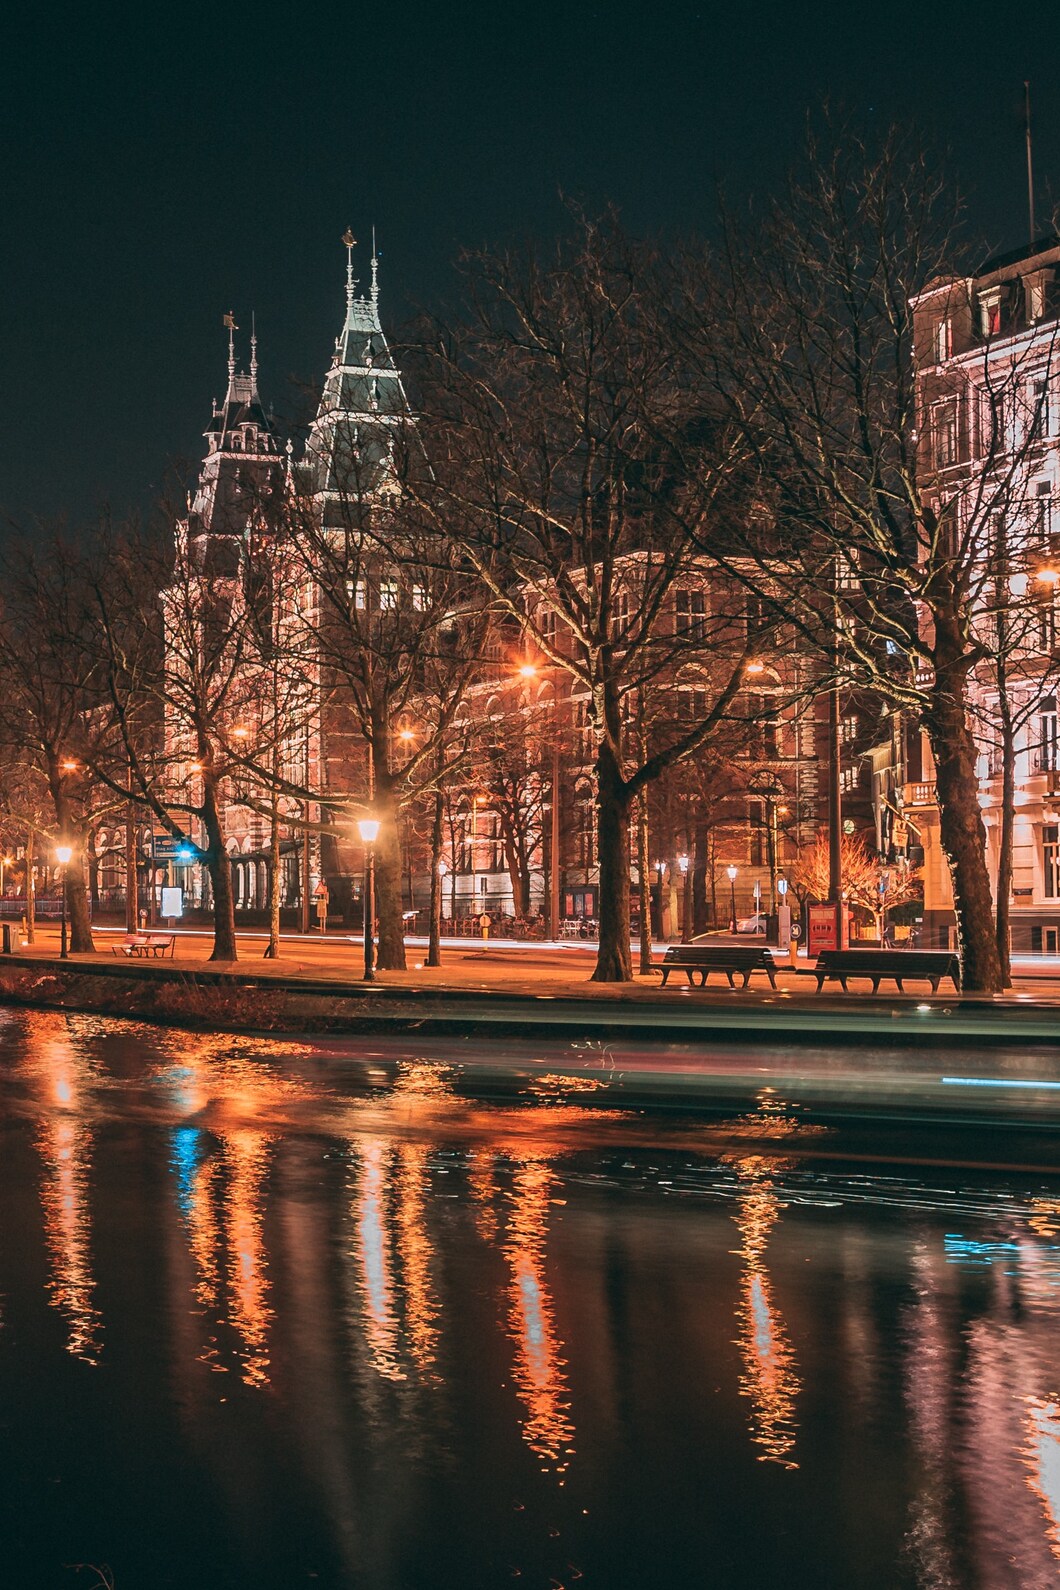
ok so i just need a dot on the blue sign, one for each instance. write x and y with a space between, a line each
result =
167 847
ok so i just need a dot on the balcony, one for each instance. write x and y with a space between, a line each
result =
1046 759
919 795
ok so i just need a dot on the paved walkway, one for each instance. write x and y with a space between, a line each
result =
505 967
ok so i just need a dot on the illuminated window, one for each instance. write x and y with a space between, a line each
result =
419 598
388 595
356 593
848 728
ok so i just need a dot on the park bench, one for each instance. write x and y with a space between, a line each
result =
146 946
730 959
932 965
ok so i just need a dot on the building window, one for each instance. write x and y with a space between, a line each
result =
1051 860
1047 621
691 613
419 598
388 596
849 778
620 623
847 575
355 593
547 623
990 312
943 340
848 728
1047 759
945 427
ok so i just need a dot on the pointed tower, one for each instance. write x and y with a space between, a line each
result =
350 450
242 468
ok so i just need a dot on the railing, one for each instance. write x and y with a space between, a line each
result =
920 795
1046 759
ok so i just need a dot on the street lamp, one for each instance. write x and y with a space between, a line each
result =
368 828
730 873
62 855
5 861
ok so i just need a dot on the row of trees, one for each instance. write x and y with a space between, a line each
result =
600 433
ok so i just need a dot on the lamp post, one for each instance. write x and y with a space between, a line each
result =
62 855
5 861
686 900
730 873
368 828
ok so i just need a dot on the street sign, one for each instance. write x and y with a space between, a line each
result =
167 847
172 902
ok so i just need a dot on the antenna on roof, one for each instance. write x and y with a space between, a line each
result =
1030 160
375 271
254 350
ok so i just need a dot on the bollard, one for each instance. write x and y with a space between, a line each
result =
8 938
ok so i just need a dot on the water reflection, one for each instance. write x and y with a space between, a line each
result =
769 1375
512 1286
60 1075
539 1370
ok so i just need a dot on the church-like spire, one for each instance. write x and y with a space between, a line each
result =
348 449
230 322
253 354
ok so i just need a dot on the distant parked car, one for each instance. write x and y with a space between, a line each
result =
752 924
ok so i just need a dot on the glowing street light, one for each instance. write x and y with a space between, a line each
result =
368 828
1048 575
755 668
730 873
62 856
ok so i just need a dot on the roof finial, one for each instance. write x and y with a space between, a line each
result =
375 271
289 472
230 322
253 351
349 240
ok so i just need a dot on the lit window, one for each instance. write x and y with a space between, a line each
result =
419 598
848 573
388 596
1047 758
849 778
355 592
848 729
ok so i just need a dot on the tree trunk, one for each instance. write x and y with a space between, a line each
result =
434 944
132 876
962 832
388 885
31 888
613 963
272 949
645 886
1003 900
698 869
220 868
77 904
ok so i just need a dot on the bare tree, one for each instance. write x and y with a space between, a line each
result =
543 414
863 542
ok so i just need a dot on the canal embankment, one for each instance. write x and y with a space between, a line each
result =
245 996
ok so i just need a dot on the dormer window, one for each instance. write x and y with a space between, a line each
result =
237 442
990 311
1036 285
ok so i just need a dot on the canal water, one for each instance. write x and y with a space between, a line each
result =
277 1313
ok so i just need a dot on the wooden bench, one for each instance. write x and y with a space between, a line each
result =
931 965
146 945
707 958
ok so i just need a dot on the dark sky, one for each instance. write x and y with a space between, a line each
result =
164 164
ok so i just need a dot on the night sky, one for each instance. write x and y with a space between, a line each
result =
162 165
